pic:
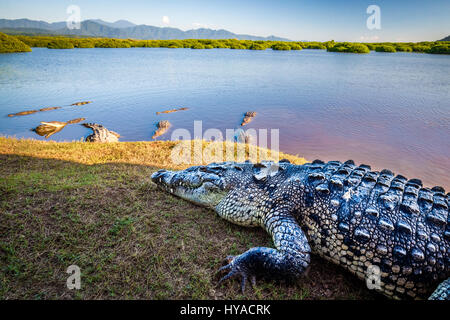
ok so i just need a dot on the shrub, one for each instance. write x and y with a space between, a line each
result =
359 48
385 48
171 44
205 42
151 44
9 44
41 42
295 46
137 44
338 48
60 44
198 46
246 43
318 46
349 47
329 44
403 48
257 46
220 44
281 46
440 49
420 48
112 43
84 43
237 46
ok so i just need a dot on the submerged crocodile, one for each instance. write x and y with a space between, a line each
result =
49 128
100 133
389 231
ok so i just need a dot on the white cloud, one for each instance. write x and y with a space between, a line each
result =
199 25
369 39
166 20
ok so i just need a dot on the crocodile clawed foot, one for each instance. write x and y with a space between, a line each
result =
229 259
237 267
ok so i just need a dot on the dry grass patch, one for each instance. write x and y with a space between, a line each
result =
149 153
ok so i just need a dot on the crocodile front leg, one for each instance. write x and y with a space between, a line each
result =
289 260
442 292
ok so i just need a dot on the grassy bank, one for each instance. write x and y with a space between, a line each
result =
93 205
59 42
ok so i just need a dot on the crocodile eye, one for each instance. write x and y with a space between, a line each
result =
259 171
259 165
214 169
262 171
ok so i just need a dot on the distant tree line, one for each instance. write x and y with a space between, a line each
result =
57 42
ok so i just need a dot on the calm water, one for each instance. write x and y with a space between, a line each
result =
387 110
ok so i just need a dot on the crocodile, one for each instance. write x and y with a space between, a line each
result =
389 231
49 128
248 117
163 126
100 133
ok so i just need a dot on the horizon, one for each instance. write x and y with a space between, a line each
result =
403 21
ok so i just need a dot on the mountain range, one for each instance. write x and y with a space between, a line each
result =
121 29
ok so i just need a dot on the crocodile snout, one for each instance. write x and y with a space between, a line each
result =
161 177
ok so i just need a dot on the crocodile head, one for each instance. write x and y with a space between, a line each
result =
217 182
203 185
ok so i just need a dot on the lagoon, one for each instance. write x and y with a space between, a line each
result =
390 110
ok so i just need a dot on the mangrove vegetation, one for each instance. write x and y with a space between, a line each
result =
23 42
9 44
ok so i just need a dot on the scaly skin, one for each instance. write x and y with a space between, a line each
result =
100 133
387 230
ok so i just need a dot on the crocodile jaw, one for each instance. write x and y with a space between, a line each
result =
202 188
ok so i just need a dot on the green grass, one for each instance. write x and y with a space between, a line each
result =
88 205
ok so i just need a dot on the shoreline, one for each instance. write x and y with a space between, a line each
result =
153 153
157 153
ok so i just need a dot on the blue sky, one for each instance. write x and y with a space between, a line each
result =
401 20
